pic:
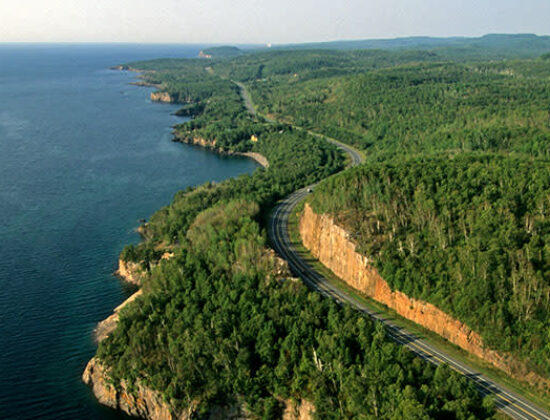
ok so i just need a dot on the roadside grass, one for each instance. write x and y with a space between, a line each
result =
528 391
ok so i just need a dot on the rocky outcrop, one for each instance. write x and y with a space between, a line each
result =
303 410
140 401
108 325
160 96
198 141
261 159
130 272
133 273
145 83
279 267
212 145
331 244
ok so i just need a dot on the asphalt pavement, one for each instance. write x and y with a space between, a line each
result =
508 402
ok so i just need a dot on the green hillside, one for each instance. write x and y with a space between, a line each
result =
452 203
223 52
487 47
468 233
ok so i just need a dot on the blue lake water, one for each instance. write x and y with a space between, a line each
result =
83 156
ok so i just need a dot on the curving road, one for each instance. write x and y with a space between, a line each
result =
248 102
506 401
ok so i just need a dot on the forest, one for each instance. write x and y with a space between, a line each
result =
468 233
452 204
423 107
216 326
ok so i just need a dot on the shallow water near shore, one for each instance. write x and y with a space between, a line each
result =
83 156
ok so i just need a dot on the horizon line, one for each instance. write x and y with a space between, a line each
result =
230 43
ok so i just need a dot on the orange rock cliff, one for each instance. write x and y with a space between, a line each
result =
331 245
162 97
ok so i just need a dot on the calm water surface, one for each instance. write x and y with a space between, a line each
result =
83 156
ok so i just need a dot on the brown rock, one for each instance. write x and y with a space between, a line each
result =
146 403
303 410
140 402
130 272
212 145
108 325
162 97
261 159
332 246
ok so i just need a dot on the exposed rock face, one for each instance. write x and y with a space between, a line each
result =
142 402
304 410
108 325
331 245
257 157
130 272
212 145
146 403
280 266
143 83
162 97
198 141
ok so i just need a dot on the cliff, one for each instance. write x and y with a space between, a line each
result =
303 410
160 96
261 159
141 401
212 145
198 141
108 325
331 245
130 272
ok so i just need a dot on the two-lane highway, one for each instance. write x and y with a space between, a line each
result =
505 400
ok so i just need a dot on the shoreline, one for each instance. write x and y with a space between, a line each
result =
165 97
211 145
259 158
128 272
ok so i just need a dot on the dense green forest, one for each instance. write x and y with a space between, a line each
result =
424 107
487 47
296 159
452 204
223 51
215 325
468 233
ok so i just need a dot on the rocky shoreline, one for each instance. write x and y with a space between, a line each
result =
139 400
211 145
165 97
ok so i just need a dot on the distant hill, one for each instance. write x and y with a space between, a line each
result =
487 47
492 46
221 52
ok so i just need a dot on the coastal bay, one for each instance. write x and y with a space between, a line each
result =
85 155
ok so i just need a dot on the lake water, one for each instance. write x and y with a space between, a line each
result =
83 156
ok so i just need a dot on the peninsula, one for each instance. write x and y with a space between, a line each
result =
443 220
